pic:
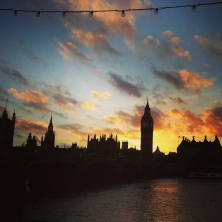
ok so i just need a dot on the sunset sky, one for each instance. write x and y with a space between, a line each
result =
94 74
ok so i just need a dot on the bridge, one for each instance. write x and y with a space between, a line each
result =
73 170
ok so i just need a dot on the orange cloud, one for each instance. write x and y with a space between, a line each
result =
194 81
175 45
184 80
175 113
26 126
88 106
187 121
103 95
207 123
124 117
213 118
29 96
106 23
166 49
202 40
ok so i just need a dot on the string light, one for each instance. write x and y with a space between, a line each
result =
123 12
15 13
64 14
38 14
156 11
194 8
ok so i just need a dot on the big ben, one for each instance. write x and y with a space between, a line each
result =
147 134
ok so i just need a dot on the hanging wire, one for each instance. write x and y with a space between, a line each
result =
123 12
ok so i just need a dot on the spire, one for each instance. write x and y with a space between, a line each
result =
147 114
50 121
6 104
50 127
30 136
147 108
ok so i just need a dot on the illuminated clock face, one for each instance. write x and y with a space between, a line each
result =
145 124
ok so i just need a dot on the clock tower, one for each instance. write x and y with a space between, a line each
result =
147 134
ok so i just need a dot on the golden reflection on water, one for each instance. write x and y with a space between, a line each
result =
167 200
164 199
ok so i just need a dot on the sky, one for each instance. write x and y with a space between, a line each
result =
95 74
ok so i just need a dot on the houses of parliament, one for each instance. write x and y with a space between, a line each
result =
189 153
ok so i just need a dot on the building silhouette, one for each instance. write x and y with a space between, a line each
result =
31 144
104 147
200 155
48 142
110 147
7 127
147 134
158 156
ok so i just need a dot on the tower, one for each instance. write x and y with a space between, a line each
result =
7 127
49 141
147 134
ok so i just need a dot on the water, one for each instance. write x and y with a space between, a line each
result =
188 200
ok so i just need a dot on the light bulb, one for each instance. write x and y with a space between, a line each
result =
194 8
15 13
156 11
38 14
91 14
64 14
123 13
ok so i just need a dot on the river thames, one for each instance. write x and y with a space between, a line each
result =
166 199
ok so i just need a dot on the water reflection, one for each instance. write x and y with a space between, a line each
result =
155 200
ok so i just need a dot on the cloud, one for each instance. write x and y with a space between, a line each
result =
26 126
60 95
93 40
166 49
213 119
122 85
160 119
209 121
70 52
122 117
184 80
103 95
189 122
14 75
88 106
130 120
75 129
40 108
212 45
133 120
175 46
177 100
29 96
150 41
40 100
104 24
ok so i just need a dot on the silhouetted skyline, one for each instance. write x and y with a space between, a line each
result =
93 74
